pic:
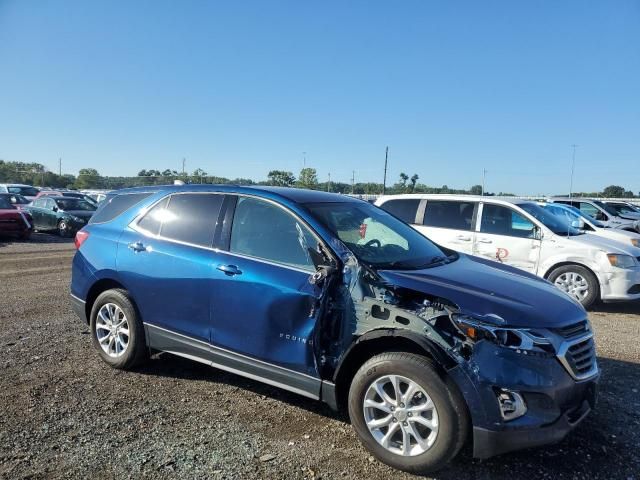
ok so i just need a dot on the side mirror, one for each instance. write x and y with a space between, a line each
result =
537 233
55 209
579 224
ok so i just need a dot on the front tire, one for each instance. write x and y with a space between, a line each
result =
406 414
117 332
578 282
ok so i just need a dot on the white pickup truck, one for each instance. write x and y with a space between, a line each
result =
522 234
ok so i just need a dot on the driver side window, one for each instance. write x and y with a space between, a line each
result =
266 231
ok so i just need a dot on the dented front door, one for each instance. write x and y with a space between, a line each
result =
507 236
264 306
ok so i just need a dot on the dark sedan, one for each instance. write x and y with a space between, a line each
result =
66 215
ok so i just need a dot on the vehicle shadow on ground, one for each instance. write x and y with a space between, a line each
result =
601 441
632 307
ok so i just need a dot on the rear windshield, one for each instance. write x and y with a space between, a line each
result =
71 204
114 205
28 191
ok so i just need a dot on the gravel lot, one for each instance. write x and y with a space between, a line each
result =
66 414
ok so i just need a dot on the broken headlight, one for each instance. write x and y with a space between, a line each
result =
521 339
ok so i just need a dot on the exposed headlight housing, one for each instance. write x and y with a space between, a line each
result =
523 340
621 261
635 242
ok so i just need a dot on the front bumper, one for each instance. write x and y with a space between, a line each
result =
620 285
488 443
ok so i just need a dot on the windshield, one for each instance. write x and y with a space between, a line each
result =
621 208
28 191
75 204
14 199
558 225
5 204
377 238
571 213
606 208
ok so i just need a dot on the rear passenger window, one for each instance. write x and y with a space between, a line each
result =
499 220
191 218
589 209
405 209
457 215
264 230
152 221
115 205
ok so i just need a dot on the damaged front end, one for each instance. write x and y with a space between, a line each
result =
524 383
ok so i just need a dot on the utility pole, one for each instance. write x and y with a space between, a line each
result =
384 180
304 159
484 176
184 161
329 183
353 179
573 166
60 167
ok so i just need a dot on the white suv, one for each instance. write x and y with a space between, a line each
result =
522 234
602 212
27 191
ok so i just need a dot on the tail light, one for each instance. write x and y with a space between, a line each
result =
81 237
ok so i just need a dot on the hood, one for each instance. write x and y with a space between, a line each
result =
84 214
607 244
482 287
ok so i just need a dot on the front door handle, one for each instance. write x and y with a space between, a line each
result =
464 238
137 247
484 240
229 270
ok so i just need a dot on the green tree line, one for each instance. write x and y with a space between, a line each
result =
89 178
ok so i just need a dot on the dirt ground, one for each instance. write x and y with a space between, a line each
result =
65 414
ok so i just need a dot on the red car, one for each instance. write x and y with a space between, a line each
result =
14 221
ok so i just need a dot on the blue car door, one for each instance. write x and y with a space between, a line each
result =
165 260
264 307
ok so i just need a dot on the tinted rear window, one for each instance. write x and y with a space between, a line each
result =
405 209
114 205
457 215
192 218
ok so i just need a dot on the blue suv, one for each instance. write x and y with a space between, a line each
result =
337 300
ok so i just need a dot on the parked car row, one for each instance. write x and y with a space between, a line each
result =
587 259
337 300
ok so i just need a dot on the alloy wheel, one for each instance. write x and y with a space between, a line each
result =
400 415
112 330
574 284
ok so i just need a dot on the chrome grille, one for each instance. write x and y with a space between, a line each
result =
579 357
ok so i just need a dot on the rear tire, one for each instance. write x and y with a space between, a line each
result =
578 282
116 329
389 428
64 229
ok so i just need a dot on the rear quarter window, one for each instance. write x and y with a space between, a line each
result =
453 214
403 208
115 205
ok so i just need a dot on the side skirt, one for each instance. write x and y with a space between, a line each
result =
177 344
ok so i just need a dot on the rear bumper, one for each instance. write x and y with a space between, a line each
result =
78 307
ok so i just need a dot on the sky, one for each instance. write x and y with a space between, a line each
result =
239 88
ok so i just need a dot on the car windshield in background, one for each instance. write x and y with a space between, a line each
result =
28 191
572 213
75 204
558 225
377 238
5 204
606 208
621 208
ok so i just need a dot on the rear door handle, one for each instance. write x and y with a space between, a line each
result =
485 240
464 238
229 269
137 247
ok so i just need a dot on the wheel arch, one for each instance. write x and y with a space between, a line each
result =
96 289
379 341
